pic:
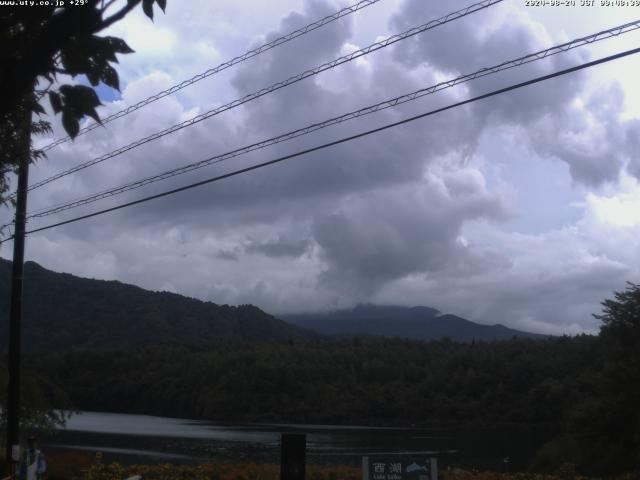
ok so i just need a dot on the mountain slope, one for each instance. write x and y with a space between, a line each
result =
419 323
62 311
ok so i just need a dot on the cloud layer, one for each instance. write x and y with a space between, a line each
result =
421 214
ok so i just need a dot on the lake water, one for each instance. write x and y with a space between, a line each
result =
148 439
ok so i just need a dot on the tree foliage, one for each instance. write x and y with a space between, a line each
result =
98 314
349 381
37 46
38 395
608 427
602 432
584 387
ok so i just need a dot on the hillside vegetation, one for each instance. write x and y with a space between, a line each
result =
369 381
62 311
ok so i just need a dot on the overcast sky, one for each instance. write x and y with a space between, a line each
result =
522 209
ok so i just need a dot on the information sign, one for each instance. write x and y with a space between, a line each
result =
399 467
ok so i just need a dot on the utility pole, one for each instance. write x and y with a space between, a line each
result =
15 312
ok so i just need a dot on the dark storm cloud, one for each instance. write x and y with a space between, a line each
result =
228 255
633 139
389 234
280 247
387 159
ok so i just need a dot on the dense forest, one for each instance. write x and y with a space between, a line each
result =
371 381
523 383
585 387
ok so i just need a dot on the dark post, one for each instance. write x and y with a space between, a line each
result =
15 312
433 468
292 456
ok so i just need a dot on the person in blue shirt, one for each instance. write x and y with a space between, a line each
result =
32 464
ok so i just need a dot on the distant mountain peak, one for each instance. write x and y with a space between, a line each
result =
418 322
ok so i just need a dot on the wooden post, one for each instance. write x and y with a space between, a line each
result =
292 456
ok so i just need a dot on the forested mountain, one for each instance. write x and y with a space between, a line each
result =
418 323
62 311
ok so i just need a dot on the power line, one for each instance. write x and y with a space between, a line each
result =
342 140
618 30
223 66
276 86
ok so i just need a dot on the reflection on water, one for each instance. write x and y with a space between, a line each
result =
148 425
126 451
147 439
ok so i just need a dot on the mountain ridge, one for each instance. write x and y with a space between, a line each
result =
63 311
416 323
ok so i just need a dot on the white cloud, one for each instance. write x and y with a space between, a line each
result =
621 210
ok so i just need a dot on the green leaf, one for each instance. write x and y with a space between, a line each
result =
74 58
41 127
94 76
56 101
36 107
80 97
101 49
66 89
78 101
162 4
93 114
147 7
109 77
109 54
70 124
119 45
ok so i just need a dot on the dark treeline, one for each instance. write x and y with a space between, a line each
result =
522 382
379 381
563 383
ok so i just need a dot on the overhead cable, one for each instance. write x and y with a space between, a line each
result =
340 141
223 66
276 86
618 30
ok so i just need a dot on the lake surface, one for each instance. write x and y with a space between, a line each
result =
148 439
